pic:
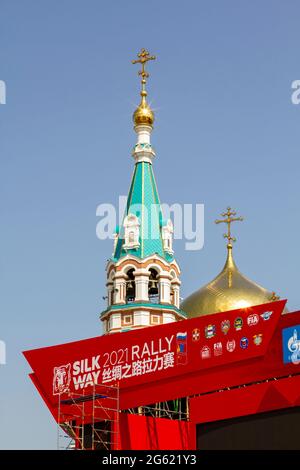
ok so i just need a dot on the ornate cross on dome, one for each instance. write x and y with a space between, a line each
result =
143 58
229 218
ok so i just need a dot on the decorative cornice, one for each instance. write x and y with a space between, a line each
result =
143 306
142 262
143 151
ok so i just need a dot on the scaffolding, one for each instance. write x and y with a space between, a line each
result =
174 409
89 421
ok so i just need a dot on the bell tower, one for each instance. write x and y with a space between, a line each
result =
143 277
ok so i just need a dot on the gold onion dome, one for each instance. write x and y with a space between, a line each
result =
143 115
230 290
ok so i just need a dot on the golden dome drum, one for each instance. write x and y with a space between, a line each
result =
230 290
143 115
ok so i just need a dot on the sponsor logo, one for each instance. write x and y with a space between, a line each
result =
61 379
253 319
244 343
238 323
218 349
205 352
266 315
196 334
291 345
225 326
230 345
210 331
181 336
257 339
181 343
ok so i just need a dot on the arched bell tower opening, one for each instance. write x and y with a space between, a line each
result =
153 286
130 287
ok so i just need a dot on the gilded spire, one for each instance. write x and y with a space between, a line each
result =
143 115
230 266
229 218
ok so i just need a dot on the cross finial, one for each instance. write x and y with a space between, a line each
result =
274 297
143 58
229 218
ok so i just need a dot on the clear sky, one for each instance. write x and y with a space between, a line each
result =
226 132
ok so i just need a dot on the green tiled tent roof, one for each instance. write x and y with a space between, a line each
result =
143 201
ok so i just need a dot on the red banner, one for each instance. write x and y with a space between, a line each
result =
151 354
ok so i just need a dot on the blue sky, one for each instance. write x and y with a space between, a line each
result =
226 132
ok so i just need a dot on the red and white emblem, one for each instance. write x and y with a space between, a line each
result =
196 334
230 346
61 379
218 349
205 352
253 319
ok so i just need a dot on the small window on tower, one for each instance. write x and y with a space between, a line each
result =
127 320
155 319
131 237
132 232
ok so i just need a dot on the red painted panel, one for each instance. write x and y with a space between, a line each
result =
274 395
147 433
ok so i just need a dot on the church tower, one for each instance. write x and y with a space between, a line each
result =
143 277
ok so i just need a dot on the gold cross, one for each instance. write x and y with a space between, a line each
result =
143 58
274 297
229 218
